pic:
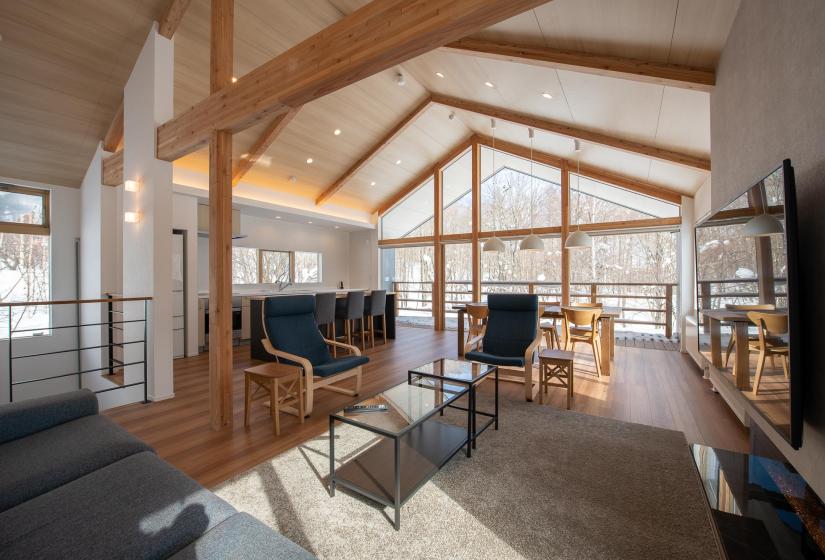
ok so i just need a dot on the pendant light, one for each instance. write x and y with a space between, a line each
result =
532 242
494 244
578 239
762 224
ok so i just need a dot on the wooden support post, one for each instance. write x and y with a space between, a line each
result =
220 228
476 220
438 255
593 293
668 311
565 230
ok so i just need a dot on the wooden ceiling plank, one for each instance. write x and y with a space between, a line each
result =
112 169
376 37
596 173
396 131
171 19
262 144
562 129
601 65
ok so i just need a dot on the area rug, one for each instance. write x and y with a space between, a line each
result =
549 483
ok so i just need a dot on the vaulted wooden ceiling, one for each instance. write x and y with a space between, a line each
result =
688 32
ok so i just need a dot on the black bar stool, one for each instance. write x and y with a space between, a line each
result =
376 306
350 309
325 315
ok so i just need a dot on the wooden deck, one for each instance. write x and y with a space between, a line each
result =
658 388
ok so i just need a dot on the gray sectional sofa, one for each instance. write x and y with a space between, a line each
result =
73 484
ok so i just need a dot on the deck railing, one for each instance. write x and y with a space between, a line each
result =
650 304
716 294
111 319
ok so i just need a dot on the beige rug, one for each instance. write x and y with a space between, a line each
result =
548 484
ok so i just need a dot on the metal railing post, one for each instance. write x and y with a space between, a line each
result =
110 330
11 374
145 354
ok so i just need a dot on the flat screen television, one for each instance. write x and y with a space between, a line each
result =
748 298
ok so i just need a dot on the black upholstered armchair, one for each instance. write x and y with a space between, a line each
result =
292 336
511 337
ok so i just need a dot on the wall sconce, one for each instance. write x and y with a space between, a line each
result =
131 185
131 217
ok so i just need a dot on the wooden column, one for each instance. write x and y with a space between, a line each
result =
565 230
476 220
220 227
764 254
438 255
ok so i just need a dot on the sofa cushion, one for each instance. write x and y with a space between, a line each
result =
487 358
339 365
243 536
139 507
45 460
20 419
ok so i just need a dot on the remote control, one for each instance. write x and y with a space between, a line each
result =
366 408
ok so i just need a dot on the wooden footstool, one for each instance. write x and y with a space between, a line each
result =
556 370
282 383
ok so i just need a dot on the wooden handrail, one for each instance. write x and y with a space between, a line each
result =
71 301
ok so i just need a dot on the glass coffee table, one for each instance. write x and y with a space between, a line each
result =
414 447
468 374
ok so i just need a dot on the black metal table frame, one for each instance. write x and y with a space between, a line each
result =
396 437
471 409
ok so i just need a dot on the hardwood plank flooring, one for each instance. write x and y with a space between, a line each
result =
656 387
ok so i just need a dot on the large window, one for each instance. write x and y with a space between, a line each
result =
276 267
307 267
413 216
457 196
593 202
410 271
244 265
514 271
514 198
24 257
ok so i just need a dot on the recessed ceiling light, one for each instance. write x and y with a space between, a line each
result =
336 227
309 222
547 95
489 84
398 162
337 132
277 217
234 79
372 183
309 160
439 74
244 156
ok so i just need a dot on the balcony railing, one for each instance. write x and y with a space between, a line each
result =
31 350
651 304
716 294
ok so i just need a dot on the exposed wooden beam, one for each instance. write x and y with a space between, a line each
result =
404 241
171 19
459 149
632 224
574 132
113 141
596 173
262 144
220 225
393 133
376 37
112 169
613 66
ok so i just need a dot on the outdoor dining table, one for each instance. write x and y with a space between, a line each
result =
607 322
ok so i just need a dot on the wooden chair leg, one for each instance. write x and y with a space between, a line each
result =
309 397
348 327
334 337
597 357
275 407
784 360
358 381
760 365
372 331
731 344
246 400
300 395
384 327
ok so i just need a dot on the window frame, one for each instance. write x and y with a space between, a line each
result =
292 264
261 252
293 267
28 229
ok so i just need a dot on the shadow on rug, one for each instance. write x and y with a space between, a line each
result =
549 483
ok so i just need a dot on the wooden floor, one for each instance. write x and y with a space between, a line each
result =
660 388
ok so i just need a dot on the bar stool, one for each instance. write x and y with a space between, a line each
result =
556 370
325 315
375 305
349 310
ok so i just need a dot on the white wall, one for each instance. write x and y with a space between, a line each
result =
65 230
364 259
768 105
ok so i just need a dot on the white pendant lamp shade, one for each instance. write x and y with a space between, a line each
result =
493 245
578 240
762 225
531 243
